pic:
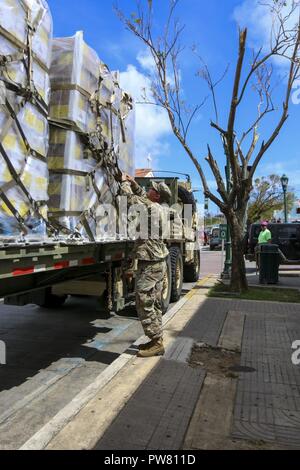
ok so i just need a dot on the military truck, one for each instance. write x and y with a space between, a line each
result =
45 273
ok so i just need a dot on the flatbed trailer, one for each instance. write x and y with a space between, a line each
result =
33 265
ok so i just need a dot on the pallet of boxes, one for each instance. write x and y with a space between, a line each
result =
25 54
67 129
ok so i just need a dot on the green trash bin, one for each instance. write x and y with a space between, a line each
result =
269 261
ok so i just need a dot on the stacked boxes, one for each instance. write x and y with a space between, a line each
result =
67 176
25 91
86 101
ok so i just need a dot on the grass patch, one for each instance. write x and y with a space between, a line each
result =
272 294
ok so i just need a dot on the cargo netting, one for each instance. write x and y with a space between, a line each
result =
25 56
91 139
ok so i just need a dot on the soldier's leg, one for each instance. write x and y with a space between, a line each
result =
150 311
149 278
158 295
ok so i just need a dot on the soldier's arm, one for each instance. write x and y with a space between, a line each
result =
135 187
134 193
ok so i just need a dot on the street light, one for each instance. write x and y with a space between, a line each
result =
285 183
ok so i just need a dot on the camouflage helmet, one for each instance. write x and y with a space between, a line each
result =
163 191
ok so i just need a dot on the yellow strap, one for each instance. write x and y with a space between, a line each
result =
23 47
66 171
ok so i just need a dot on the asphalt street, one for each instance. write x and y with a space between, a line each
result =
51 355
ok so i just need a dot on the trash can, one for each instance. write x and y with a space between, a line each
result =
269 261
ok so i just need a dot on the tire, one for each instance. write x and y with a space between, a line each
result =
167 288
53 301
177 273
192 270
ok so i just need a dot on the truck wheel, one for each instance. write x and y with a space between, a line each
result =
53 301
192 270
177 273
167 288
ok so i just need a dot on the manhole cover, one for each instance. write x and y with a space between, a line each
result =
241 369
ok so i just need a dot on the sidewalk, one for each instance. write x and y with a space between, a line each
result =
226 382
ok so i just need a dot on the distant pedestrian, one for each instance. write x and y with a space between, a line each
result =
265 235
264 238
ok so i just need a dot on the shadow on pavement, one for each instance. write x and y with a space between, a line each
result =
36 338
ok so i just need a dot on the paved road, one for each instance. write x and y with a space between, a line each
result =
211 262
53 354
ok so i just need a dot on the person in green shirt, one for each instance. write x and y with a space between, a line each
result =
265 235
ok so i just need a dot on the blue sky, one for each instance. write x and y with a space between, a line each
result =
212 26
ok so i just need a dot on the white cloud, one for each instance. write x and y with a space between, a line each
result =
251 13
289 167
257 16
296 93
146 61
152 123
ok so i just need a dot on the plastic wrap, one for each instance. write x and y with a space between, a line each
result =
74 78
27 156
73 177
85 100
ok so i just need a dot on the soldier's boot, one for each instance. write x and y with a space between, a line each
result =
154 349
142 347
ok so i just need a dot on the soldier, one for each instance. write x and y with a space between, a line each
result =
151 254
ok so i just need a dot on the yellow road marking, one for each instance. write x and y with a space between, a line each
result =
199 283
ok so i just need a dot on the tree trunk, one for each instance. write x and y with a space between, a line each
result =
239 281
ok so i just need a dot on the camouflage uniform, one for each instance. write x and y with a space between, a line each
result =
151 255
149 286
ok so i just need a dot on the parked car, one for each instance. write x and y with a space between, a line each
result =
215 240
286 236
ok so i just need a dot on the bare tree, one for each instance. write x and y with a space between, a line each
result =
242 152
